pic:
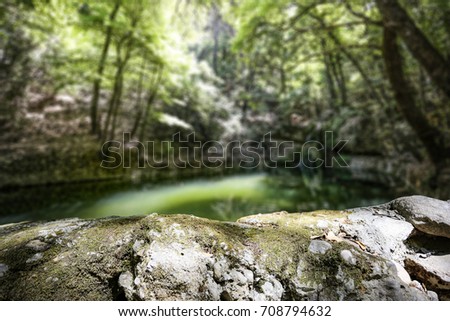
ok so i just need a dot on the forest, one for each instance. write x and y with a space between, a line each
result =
115 82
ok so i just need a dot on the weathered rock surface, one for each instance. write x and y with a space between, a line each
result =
322 255
434 270
427 214
381 232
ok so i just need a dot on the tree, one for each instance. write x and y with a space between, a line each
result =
101 66
16 47
437 67
432 138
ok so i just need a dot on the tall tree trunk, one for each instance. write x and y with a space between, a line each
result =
282 71
340 78
248 85
101 68
121 68
138 105
127 40
151 97
432 139
282 79
216 33
437 67
116 107
328 75
118 78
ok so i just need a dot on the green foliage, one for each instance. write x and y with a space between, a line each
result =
15 47
204 61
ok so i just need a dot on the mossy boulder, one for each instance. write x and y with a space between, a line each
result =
181 257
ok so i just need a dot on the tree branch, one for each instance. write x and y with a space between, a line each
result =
361 15
437 67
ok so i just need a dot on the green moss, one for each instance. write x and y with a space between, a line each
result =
323 268
213 236
16 235
285 237
288 235
85 262
79 265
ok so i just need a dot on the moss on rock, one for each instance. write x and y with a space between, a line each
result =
182 257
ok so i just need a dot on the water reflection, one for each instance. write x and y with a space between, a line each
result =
225 198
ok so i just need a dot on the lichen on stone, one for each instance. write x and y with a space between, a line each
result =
278 256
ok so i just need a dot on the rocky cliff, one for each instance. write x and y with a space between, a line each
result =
395 251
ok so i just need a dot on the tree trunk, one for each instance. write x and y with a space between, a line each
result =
138 105
121 69
151 97
395 17
432 139
113 100
121 64
340 77
100 69
116 107
332 95
216 32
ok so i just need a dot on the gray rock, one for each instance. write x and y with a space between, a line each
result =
219 270
348 257
401 272
433 270
3 269
322 224
36 257
417 285
180 265
238 276
272 289
389 287
38 246
433 296
319 247
138 245
428 215
126 282
180 257
249 276
381 235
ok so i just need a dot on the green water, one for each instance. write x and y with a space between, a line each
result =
225 198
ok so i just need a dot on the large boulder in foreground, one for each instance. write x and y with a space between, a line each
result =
322 255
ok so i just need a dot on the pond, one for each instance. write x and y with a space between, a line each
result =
223 198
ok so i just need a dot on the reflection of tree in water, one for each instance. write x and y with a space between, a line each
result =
299 193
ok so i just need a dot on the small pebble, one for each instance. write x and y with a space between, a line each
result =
3 269
322 224
348 257
35 257
319 247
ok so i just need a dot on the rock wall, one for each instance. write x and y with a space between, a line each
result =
359 254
